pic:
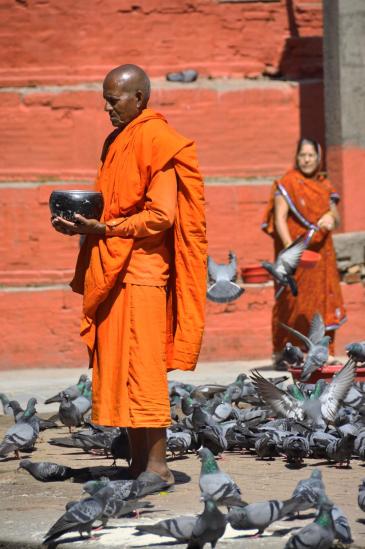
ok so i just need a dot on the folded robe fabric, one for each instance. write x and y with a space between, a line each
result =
130 159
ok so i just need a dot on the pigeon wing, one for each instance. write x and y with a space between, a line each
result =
338 390
279 400
317 329
290 257
302 337
231 268
213 268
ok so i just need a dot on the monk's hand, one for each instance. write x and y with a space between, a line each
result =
83 225
63 226
326 222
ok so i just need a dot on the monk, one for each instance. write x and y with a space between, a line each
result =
142 272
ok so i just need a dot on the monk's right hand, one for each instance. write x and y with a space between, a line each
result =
63 226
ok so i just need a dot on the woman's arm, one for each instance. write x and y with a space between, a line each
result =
331 219
280 220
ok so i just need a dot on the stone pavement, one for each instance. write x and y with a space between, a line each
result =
28 507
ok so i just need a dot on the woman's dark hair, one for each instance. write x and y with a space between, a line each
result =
313 142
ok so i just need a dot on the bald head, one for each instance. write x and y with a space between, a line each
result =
126 91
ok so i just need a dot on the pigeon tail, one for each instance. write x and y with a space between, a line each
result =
224 291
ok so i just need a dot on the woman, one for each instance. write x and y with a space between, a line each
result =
302 200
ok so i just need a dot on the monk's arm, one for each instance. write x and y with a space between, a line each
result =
160 211
280 219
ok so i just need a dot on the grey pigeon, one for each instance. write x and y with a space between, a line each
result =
69 414
223 289
196 531
187 75
179 443
80 516
5 403
209 526
318 442
260 515
179 528
319 534
317 344
73 391
46 471
356 351
292 355
285 266
341 526
118 504
361 496
215 483
265 446
121 488
22 435
213 437
296 448
310 491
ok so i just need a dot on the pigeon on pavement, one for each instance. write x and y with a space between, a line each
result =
46 471
260 515
319 534
215 483
80 516
361 496
73 391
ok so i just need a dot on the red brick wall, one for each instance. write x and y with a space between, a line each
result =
66 41
53 56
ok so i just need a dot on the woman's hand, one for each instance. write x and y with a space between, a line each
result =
326 222
82 225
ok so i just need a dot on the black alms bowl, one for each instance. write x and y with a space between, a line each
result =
68 203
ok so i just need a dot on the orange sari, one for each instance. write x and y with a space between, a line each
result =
318 288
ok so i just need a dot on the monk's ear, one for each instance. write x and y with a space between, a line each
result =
140 98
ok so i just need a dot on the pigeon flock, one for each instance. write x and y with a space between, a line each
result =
267 418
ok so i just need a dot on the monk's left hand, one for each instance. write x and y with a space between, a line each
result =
82 225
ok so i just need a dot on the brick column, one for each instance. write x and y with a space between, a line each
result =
344 78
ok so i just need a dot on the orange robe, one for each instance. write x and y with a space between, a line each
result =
318 288
130 331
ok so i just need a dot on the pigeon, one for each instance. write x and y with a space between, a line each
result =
119 447
318 442
261 514
356 351
80 516
119 502
361 496
179 443
46 471
179 528
216 484
286 265
341 449
209 526
319 534
69 414
7 410
292 355
296 448
196 531
187 75
73 391
341 526
22 435
265 447
212 437
316 343
309 491
223 290
18 411
121 488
